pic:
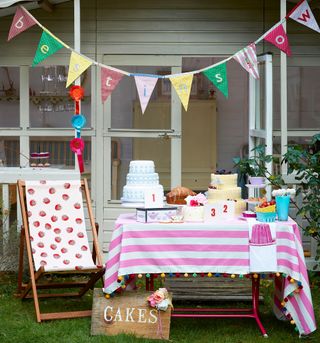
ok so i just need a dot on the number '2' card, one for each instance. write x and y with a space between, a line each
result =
220 210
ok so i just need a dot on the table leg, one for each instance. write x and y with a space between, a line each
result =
255 304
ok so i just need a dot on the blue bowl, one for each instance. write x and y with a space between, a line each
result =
266 217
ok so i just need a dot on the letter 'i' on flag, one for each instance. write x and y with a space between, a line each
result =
145 86
247 57
182 84
77 66
47 46
218 76
21 22
109 81
279 38
302 14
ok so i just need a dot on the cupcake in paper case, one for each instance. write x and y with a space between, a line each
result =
261 235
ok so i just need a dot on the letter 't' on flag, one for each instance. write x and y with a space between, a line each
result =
278 37
109 81
182 84
77 66
302 14
218 76
47 46
247 57
21 22
145 86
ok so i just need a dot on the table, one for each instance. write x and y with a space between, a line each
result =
219 247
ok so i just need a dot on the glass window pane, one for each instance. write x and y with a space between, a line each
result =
126 149
59 153
9 152
9 97
125 105
50 103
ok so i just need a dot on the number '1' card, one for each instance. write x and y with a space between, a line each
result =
220 210
153 198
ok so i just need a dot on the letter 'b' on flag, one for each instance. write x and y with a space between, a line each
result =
21 22
218 76
47 46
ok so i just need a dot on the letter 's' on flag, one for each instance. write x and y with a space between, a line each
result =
302 14
21 22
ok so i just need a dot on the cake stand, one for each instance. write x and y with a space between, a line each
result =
256 194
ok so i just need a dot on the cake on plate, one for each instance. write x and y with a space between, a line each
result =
224 187
141 177
194 210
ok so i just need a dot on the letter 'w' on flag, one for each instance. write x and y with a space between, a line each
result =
278 37
77 66
182 84
247 57
21 22
47 46
145 86
218 76
109 81
302 14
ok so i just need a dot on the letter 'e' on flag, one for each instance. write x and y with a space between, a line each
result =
109 81
21 22
182 84
218 76
302 14
278 38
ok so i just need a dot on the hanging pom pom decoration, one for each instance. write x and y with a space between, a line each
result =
77 146
76 93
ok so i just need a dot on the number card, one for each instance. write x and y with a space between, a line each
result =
219 210
153 198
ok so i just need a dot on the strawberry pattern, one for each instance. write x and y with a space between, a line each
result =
57 225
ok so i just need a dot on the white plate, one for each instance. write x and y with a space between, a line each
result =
132 204
256 186
252 202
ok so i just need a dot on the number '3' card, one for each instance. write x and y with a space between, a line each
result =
220 210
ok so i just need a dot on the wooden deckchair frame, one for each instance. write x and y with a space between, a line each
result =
33 285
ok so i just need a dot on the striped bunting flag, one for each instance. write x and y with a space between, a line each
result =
247 57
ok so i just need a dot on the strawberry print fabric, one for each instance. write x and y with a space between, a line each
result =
57 226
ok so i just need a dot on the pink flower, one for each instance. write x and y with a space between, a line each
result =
156 298
194 203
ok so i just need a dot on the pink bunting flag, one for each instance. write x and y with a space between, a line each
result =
21 22
247 57
302 14
278 37
109 81
145 86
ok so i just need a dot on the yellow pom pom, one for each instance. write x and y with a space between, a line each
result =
107 296
123 286
163 275
255 276
139 276
209 274
283 303
185 274
277 274
120 278
292 322
291 280
232 276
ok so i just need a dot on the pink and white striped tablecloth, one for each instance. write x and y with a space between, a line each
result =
220 247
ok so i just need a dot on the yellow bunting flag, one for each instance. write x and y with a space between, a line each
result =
182 84
77 66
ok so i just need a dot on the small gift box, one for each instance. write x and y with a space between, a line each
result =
154 215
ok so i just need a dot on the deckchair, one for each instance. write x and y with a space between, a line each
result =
54 233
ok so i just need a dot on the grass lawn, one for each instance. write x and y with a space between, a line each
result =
18 325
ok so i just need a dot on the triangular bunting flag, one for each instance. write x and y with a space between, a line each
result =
77 66
247 57
47 46
182 84
21 22
218 76
109 81
279 38
145 86
302 14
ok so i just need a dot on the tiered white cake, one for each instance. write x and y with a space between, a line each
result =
224 187
141 176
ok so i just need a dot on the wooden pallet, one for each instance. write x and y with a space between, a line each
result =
209 289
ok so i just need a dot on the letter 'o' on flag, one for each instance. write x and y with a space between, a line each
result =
21 22
47 46
278 38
